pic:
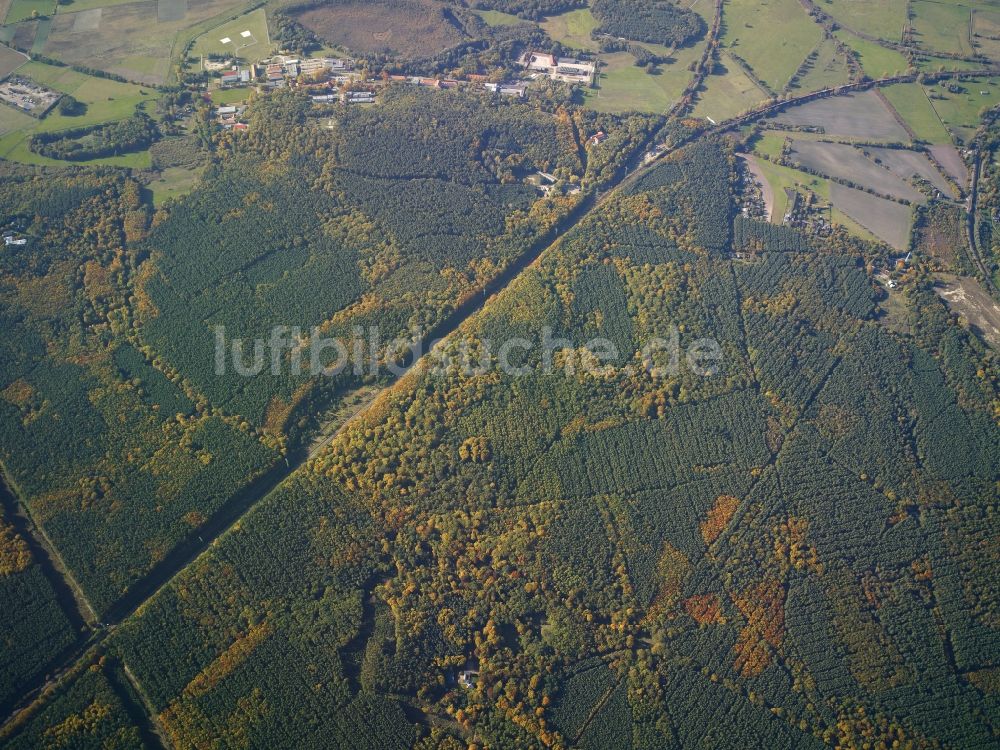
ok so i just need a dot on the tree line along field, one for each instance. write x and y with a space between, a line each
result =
115 431
773 556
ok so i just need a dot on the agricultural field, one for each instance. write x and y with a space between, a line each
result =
887 220
21 10
408 28
827 69
251 48
911 103
986 31
942 27
876 61
728 92
135 40
909 165
880 18
848 163
960 110
862 116
622 86
772 36
572 29
10 60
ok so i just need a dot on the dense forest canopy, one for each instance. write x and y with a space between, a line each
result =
653 21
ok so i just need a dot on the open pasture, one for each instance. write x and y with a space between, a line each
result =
728 92
961 110
135 39
252 48
876 61
828 69
887 220
22 10
773 36
942 27
860 115
911 103
499 18
986 31
845 162
880 18
572 29
906 164
410 28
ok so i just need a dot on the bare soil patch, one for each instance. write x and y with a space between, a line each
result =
887 220
906 164
849 163
862 116
968 298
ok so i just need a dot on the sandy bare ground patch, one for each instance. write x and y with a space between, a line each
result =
906 164
861 115
766 190
887 220
968 298
849 163
948 157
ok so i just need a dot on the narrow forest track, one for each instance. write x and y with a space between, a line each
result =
629 172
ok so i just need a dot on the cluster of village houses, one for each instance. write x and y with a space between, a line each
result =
327 75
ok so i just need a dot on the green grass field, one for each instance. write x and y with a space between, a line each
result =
770 144
223 97
828 70
75 6
880 18
962 111
106 101
21 10
773 36
259 43
727 94
876 60
572 29
910 101
942 27
173 182
927 62
496 18
624 87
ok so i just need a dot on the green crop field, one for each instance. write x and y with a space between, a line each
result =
941 27
773 36
910 101
572 29
24 9
827 70
880 18
960 111
876 60
728 92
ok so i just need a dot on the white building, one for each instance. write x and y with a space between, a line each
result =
559 68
